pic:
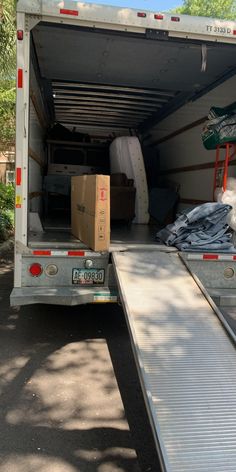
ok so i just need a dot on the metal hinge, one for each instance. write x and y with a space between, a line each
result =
157 34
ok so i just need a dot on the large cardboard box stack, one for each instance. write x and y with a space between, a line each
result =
90 210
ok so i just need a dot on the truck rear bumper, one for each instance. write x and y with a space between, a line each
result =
69 296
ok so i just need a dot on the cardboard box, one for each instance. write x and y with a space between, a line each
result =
90 210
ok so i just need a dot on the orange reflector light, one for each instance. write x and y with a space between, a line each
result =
35 270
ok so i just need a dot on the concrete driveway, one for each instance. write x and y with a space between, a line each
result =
70 399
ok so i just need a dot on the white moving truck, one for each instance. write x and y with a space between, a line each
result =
105 72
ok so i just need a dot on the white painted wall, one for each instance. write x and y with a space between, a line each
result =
187 149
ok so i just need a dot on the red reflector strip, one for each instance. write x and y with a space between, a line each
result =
175 18
18 176
20 78
42 253
210 257
47 252
76 253
158 17
141 14
234 31
213 257
69 12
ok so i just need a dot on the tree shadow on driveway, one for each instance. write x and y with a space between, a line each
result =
60 405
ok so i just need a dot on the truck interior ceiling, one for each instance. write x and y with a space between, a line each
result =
89 86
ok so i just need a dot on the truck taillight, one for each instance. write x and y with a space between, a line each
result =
141 14
35 269
159 17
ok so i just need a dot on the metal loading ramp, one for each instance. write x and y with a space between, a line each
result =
185 359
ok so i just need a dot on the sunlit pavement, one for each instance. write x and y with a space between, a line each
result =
70 399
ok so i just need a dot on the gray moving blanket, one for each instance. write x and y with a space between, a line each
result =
202 229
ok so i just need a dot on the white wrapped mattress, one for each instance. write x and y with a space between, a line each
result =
126 157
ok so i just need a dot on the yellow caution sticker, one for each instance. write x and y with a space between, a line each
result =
18 201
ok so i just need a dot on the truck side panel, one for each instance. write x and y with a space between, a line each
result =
22 126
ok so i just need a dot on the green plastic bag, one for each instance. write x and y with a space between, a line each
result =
216 112
220 127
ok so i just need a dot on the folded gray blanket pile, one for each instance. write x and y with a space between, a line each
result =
203 228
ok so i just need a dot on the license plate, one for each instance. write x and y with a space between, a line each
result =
88 276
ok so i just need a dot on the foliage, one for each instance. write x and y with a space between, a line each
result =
225 9
7 197
7 72
7 113
6 224
7 38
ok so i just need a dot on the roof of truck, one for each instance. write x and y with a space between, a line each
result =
193 27
102 65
